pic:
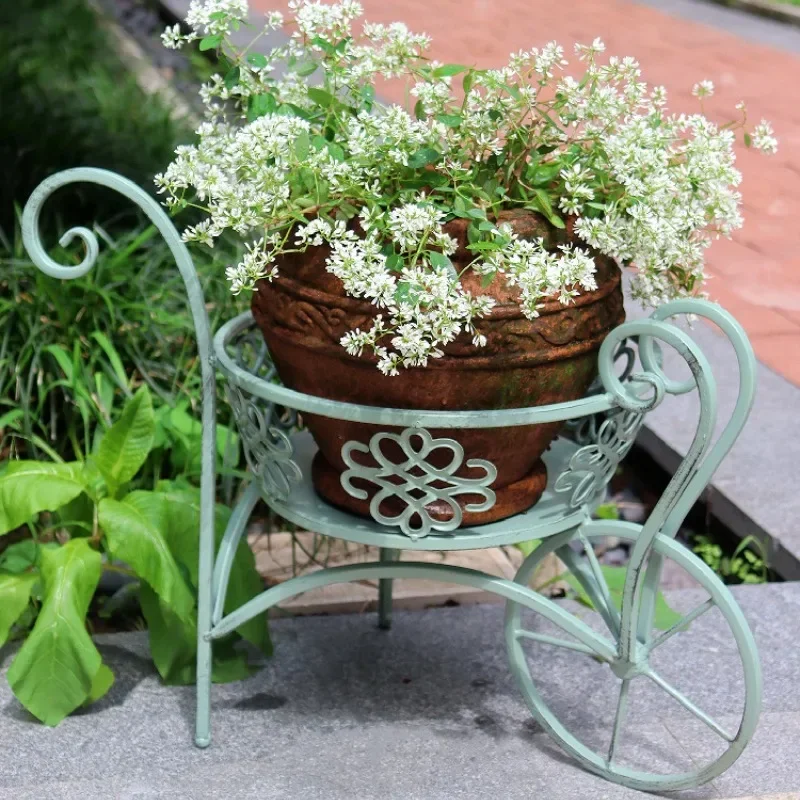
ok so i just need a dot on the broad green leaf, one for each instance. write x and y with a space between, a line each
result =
173 646
103 681
232 77
664 617
302 146
306 68
439 260
127 443
15 594
321 97
181 524
56 669
18 557
468 80
259 105
423 157
419 110
257 60
451 120
448 70
135 535
335 150
211 42
29 487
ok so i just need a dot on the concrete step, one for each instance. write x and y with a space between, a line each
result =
427 710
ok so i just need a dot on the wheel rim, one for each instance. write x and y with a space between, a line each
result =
606 764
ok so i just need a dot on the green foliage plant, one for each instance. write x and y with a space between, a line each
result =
46 584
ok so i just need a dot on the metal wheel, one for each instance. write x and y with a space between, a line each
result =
587 705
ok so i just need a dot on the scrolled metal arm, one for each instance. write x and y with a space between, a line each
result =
703 455
31 238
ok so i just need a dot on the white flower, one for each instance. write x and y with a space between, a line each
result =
764 138
703 89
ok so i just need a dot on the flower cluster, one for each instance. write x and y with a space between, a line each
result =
295 152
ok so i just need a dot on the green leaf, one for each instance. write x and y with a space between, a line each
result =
368 95
543 204
394 262
135 534
181 526
484 247
113 357
211 42
419 110
528 547
15 594
102 682
10 417
451 120
468 81
476 213
448 70
232 77
321 97
127 443
257 60
18 557
302 146
748 140
29 487
306 68
664 617
439 260
259 105
423 157
607 511
173 646
545 174
335 150
56 669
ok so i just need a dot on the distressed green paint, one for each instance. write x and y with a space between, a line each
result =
577 478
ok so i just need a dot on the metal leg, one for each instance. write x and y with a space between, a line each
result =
202 736
385 591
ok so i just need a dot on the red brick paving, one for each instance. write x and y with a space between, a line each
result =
757 275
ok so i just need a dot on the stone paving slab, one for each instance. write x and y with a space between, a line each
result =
427 710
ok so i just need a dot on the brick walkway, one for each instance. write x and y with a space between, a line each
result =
757 275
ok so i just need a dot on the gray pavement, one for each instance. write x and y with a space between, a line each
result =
427 710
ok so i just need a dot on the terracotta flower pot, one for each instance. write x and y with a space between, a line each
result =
304 313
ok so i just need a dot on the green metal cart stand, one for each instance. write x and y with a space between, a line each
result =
604 425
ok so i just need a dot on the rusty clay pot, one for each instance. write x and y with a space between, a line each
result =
551 359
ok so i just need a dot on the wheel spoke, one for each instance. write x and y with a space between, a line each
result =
611 609
679 626
622 708
544 638
689 705
593 583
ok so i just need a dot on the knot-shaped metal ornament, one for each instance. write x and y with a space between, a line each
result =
414 482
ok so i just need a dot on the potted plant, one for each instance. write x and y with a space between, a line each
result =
459 252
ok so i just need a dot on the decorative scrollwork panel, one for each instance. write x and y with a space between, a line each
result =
414 482
267 445
592 467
